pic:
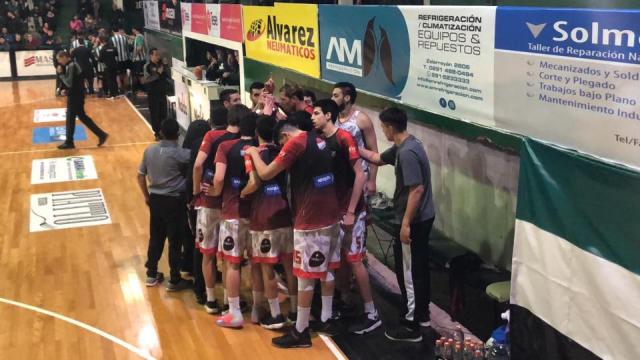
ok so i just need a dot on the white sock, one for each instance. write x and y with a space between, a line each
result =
225 298
370 309
302 322
257 298
234 306
293 301
274 306
327 308
211 296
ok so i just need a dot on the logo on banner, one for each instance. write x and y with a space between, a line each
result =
536 29
284 38
213 19
186 15
38 60
369 45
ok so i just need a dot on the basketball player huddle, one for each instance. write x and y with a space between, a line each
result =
276 194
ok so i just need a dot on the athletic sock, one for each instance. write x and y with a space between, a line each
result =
302 322
274 306
327 308
211 294
234 307
370 310
293 301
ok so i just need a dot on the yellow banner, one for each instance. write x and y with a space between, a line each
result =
285 35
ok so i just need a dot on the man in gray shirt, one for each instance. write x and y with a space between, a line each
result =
164 165
415 212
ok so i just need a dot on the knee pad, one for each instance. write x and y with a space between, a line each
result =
305 284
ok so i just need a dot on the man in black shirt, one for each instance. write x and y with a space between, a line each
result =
71 74
108 56
155 79
82 56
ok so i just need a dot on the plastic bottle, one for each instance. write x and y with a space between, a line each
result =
438 350
477 355
469 348
448 351
458 335
457 352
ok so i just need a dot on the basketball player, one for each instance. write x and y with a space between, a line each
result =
229 179
316 216
270 224
350 179
209 207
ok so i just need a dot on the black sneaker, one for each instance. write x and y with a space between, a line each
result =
273 323
66 146
409 324
293 339
211 307
182 284
292 317
365 325
404 334
329 327
102 139
153 281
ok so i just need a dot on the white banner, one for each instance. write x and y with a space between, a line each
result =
5 64
571 77
35 63
69 209
182 104
49 115
151 15
44 171
451 69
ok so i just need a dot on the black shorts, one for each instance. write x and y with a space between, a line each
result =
123 66
138 67
100 75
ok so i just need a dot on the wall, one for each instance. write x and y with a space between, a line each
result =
474 181
169 45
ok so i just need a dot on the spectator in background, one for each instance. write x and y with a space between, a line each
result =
89 23
139 58
6 35
31 43
96 9
18 42
309 97
4 45
231 74
47 38
256 90
213 68
76 24
117 17
51 20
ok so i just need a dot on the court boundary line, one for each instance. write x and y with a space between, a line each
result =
142 353
139 115
333 347
77 148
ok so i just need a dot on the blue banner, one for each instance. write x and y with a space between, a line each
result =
605 35
365 45
56 133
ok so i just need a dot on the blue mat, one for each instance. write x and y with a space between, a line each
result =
56 134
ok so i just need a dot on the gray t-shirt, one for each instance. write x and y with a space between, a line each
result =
411 168
165 164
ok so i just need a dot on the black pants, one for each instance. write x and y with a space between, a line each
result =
168 220
75 107
157 110
198 277
88 78
413 260
110 83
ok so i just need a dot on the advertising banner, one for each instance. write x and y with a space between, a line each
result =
436 58
182 104
5 64
35 63
231 22
170 19
201 18
69 209
49 115
45 171
285 35
571 77
151 14
47 135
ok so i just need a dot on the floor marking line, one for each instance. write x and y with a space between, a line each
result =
333 347
139 115
142 353
77 148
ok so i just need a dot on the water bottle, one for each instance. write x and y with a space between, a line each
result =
457 352
477 355
458 335
438 352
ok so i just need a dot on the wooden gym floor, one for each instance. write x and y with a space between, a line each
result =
79 293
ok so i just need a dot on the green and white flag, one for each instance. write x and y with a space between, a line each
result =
575 286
